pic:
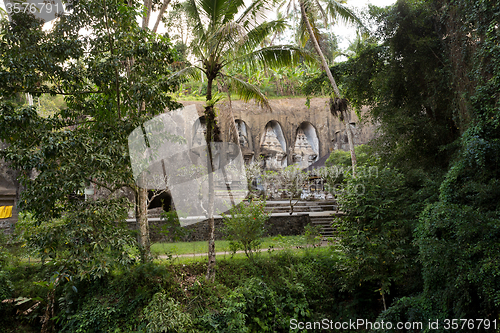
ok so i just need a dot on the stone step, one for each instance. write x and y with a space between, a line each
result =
325 223
301 203
308 208
285 209
325 216
322 224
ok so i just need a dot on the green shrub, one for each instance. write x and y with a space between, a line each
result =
172 228
5 293
312 234
252 307
416 309
165 314
459 250
364 157
376 233
86 241
244 226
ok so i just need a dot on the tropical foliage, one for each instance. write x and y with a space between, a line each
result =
245 225
105 77
431 82
226 32
417 225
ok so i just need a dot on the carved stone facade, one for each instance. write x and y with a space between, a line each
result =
291 132
306 150
273 147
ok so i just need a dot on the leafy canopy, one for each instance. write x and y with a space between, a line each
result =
228 33
113 78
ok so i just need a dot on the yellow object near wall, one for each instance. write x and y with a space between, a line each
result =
5 212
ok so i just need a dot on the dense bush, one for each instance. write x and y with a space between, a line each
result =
376 232
244 226
364 156
86 242
458 250
114 303
6 286
165 314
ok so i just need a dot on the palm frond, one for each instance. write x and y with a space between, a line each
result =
289 6
226 38
255 8
3 13
191 9
218 12
276 56
257 35
231 10
322 11
188 72
197 48
339 12
247 91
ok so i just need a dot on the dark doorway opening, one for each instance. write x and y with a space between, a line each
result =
163 200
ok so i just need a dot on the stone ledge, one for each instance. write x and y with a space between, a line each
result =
279 224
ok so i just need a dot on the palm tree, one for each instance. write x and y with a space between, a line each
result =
226 32
336 11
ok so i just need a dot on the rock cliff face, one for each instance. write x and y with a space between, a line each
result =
291 132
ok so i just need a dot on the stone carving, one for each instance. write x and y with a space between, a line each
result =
274 154
303 152
242 134
246 148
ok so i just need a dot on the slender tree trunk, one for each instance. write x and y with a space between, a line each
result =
145 19
143 224
160 14
210 121
335 88
324 64
350 139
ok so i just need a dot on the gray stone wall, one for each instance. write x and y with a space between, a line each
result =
290 113
7 225
9 193
276 225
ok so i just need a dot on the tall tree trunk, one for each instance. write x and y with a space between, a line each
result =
145 19
350 139
211 135
335 88
160 14
142 223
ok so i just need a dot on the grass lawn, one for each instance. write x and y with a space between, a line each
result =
227 257
223 245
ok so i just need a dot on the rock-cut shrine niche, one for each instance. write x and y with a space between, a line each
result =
273 146
244 141
198 142
199 132
306 149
